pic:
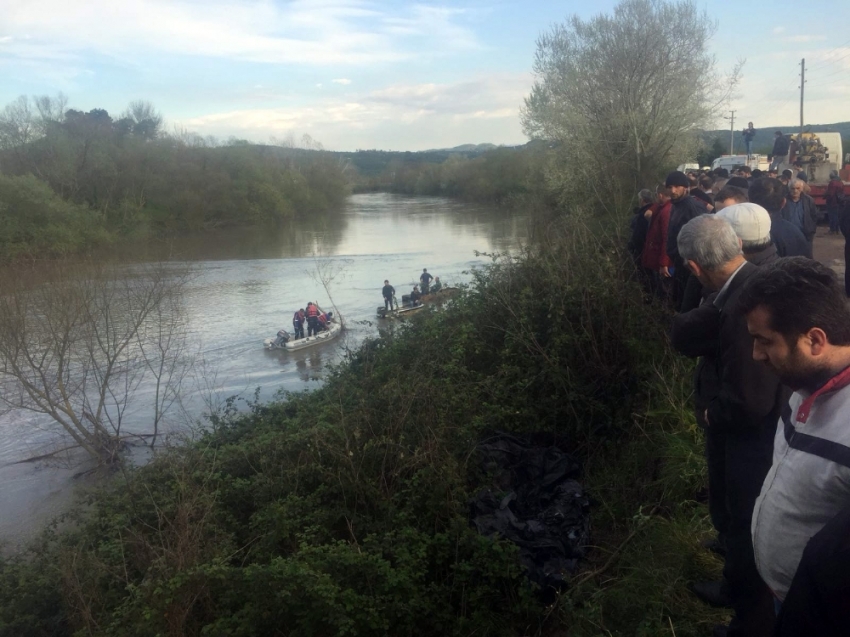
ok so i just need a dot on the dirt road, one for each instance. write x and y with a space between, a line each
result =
829 249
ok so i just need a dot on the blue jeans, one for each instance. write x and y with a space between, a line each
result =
749 148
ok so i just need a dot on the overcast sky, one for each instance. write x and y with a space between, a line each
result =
392 75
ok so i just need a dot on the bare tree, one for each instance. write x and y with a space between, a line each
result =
624 95
147 121
78 338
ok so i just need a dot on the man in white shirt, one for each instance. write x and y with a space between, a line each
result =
798 316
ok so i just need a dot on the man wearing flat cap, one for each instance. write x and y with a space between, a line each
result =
684 209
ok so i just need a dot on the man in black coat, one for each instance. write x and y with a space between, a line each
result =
781 146
788 238
743 399
800 210
684 209
388 292
696 334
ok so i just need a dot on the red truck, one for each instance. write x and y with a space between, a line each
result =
821 153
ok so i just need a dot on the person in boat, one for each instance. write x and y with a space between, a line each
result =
425 280
415 295
298 323
388 292
437 285
325 320
312 313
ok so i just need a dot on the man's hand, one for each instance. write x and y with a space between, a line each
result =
663 271
648 213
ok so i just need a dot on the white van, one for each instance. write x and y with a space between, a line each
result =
731 161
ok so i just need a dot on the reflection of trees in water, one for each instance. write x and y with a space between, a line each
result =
320 233
504 227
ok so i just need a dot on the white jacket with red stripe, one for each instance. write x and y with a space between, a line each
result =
809 482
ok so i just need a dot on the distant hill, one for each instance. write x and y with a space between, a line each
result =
763 142
466 148
371 163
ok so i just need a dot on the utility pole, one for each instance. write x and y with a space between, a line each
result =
802 90
731 133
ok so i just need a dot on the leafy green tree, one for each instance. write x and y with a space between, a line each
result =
136 180
616 92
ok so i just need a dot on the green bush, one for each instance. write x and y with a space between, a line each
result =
35 222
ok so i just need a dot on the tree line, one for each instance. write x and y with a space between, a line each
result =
500 175
70 180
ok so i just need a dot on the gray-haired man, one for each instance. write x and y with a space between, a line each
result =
742 401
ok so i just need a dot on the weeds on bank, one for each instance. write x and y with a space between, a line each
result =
344 511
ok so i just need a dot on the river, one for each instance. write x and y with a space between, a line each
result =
245 286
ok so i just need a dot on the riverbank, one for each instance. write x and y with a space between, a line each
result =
346 509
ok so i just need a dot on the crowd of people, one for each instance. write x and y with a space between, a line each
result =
313 317
770 327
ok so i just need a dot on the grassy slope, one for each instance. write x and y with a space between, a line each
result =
345 511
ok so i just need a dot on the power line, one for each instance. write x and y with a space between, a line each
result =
826 61
829 75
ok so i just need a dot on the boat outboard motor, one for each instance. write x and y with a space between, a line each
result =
282 338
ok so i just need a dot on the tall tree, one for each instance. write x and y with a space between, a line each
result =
624 95
145 119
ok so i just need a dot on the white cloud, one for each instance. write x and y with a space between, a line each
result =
402 117
806 38
778 30
318 32
342 81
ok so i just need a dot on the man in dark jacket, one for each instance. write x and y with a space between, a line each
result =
743 399
640 223
684 209
388 292
789 240
749 135
425 280
781 146
800 209
298 323
695 334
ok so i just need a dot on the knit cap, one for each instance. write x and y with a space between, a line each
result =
677 178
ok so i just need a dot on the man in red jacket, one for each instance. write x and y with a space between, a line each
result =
835 201
654 256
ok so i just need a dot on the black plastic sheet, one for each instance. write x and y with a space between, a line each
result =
536 503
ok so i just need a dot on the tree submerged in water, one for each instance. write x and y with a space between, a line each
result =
78 338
